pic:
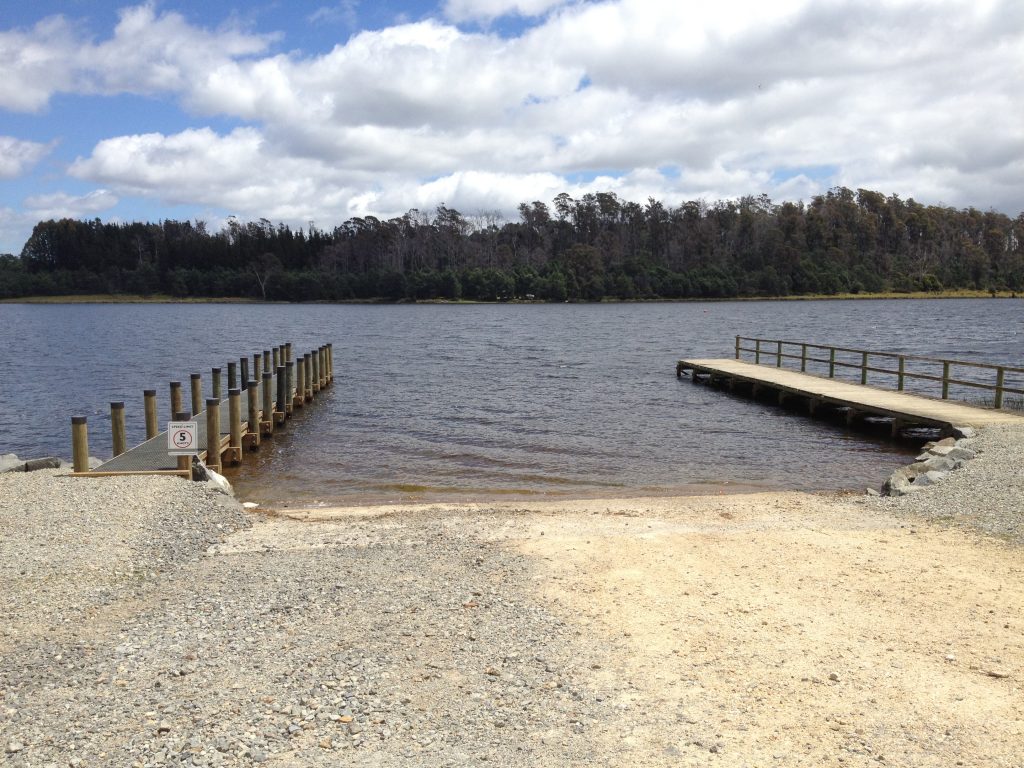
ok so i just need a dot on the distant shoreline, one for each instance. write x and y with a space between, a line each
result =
164 299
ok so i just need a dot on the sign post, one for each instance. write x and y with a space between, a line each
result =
182 438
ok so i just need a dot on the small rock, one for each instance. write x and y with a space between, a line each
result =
14 746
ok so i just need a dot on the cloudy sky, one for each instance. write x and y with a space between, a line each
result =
321 110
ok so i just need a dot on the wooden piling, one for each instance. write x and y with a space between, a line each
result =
243 372
235 415
330 362
290 384
197 394
80 443
267 424
266 362
117 430
257 366
152 421
300 384
177 406
215 383
308 372
276 352
252 389
287 352
184 462
213 434
316 371
280 411
232 376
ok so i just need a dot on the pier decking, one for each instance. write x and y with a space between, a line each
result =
857 399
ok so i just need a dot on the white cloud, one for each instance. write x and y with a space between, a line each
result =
17 156
61 205
148 53
738 97
489 10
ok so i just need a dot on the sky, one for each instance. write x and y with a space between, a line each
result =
319 111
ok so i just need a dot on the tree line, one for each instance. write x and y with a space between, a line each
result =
588 249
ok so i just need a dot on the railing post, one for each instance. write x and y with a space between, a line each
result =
864 368
215 383
737 347
235 415
117 428
177 406
945 379
152 421
778 355
831 362
899 378
197 394
252 387
757 351
803 358
213 434
80 443
268 402
1000 378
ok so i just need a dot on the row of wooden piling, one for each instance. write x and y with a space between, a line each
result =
298 381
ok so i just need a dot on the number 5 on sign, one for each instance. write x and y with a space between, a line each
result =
182 439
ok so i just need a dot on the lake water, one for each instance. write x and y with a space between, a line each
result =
461 402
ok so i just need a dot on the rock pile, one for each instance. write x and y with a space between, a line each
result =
934 464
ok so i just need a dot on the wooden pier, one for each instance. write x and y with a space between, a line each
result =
278 385
858 400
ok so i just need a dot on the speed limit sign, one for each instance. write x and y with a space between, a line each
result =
182 439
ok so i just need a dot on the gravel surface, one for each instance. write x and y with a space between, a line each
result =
152 622
986 494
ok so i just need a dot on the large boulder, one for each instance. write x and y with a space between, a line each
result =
49 462
929 478
900 482
9 462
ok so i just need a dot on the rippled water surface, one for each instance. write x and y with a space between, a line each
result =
484 401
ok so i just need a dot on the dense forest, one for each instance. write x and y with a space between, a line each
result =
597 247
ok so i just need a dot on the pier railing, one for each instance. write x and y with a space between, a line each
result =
929 375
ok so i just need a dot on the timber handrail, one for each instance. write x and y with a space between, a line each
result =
778 350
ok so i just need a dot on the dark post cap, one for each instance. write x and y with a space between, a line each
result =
197 375
79 419
149 392
212 401
234 391
117 406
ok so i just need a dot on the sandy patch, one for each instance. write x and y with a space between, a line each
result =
762 629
